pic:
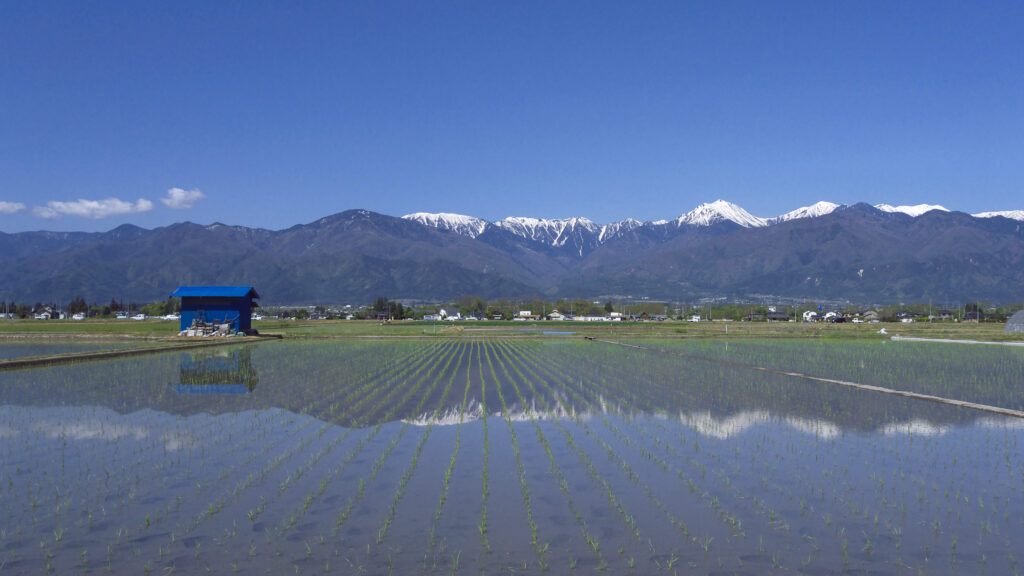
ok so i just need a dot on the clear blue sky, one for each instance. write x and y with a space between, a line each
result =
280 113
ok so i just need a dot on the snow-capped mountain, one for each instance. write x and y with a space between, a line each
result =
550 232
609 231
583 233
1011 214
458 223
580 236
720 211
853 252
812 211
914 211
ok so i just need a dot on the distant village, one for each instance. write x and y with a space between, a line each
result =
476 309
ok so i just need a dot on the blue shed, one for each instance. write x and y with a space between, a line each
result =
217 305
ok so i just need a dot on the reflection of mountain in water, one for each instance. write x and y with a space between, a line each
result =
218 371
721 426
356 385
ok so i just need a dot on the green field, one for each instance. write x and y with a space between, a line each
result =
668 329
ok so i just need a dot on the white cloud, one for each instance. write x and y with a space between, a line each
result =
11 207
181 199
91 208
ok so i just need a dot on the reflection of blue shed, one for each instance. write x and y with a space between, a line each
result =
217 305
218 371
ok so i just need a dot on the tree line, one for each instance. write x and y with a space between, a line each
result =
94 310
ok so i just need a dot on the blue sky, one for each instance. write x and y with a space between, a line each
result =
274 114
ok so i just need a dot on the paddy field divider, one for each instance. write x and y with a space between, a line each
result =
19 363
868 387
953 341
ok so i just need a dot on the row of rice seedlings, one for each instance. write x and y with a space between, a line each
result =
721 476
417 376
415 381
541 550
298 472
986 374
121 504
589 536
614 501
651 453
261 477
717 501
774 481
252 480
341 417
400 491
727 517
336 471
418 373
731 518
125 480
484 488
365 395
346 512
852 512
879 521
431 553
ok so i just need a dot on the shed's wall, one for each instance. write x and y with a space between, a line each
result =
1015 324
234 311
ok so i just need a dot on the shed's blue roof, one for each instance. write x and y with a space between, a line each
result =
215 292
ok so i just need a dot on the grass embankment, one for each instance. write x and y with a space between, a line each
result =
160 329
99 328
124 338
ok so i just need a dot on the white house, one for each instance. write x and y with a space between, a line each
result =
445 315
810 316
695 318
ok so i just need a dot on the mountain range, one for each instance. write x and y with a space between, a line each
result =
853 252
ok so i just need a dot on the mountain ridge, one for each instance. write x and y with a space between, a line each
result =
823 251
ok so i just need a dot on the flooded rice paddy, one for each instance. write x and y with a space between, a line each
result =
10 349
513 456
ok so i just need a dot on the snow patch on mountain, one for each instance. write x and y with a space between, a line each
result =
583 235
609 231
914 211
1011 214
813 211
458 223
720 211
551 232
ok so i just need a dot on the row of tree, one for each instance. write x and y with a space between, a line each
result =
508 309
470 305
80 306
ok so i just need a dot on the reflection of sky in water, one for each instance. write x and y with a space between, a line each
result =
703 467
84 424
